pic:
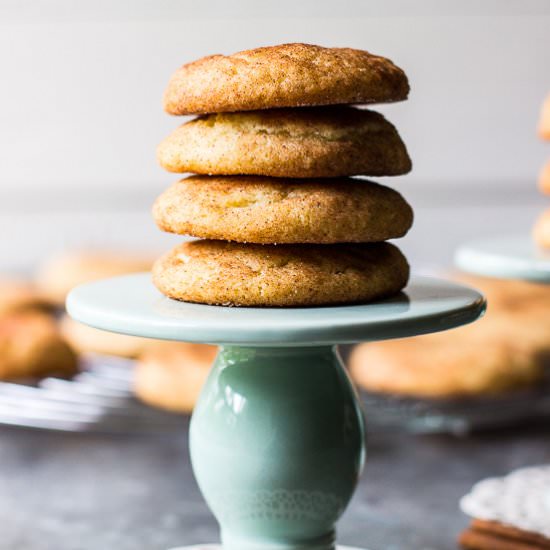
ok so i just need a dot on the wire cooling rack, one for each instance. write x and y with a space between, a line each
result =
458 416
98 399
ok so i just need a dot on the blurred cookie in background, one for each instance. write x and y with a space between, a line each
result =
32 347
541 230
504 351
57 277
544 122
170 375
461 363
544 179
18 295
508 295
84 338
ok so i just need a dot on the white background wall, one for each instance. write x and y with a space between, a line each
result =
81 85
82 81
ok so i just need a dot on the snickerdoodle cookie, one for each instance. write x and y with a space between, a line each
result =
268 210
505 350
541 230
19 294
508 295
287 75
544 122
170 375
316 142
544 179
465 362
84 338
224 273
31 346
62 273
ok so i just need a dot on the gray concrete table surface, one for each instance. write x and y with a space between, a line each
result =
62 491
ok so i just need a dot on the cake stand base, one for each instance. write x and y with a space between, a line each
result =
277 436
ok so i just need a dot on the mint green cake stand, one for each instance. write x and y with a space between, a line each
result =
506 257
277 437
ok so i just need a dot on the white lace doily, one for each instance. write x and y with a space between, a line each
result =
520 499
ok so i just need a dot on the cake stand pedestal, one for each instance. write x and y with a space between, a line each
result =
277 437
506 257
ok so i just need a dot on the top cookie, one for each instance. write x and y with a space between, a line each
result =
288 75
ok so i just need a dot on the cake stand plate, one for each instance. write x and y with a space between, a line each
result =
506 257
130 304
277 435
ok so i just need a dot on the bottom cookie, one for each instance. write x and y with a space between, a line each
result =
234 274
492 535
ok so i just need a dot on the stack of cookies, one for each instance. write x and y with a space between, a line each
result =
541 231
280 221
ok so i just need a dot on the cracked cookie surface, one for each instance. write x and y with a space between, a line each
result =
294 143
267 210
224 273
286 75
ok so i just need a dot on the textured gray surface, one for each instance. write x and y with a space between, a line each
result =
90 492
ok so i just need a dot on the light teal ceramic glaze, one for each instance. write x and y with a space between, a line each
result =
508 257
277 446
132 305
277 435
